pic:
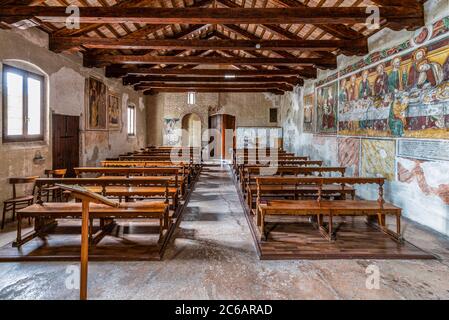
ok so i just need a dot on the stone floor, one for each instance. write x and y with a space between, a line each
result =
213 257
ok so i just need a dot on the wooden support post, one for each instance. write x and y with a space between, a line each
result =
84 249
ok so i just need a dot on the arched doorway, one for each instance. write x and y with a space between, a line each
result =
191 130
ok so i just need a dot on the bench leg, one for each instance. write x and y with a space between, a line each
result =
4 215
258 218
264 235
167 219
19 230
330 227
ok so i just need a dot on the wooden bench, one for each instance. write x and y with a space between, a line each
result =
292 190
179 172
320 208
45 215
242 172
166 187
190 170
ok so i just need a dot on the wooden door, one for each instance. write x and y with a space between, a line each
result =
65 139
222 122
215 123
228 137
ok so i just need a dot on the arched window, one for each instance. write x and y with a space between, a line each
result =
23 105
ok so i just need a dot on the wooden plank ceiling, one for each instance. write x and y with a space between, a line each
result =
212 45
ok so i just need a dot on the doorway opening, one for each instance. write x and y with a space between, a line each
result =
222 136
65 141
191 130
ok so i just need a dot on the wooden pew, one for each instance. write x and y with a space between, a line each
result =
242 169
320 207
179 172
122 187
292 190
45 214
93 206
186 167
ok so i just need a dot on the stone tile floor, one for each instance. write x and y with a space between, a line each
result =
213 257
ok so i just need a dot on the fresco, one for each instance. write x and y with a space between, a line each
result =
378 158
114 112
309 110
407 96
172 135
427 175
349 155
327 105
97 105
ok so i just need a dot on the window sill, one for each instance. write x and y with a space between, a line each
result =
24 144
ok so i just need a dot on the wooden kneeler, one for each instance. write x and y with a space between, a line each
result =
86 197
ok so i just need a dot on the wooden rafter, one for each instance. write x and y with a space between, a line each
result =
267 46
409 18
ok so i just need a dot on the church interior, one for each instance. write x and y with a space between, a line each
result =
224 149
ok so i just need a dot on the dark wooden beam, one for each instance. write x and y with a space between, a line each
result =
163 85
184 90
119 71
137 34
59 44
282 53
104 60
131 80
411 18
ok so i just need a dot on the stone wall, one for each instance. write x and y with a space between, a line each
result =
65 84
250 110
420 185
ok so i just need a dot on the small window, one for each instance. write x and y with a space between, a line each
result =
191 98
273 115
23 105
131 121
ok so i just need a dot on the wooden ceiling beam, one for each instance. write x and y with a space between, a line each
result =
104 60
409 18
132 80
190 86
119 71
59 44
211 90
137 34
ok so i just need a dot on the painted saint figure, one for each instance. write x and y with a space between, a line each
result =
328 117
344 94
395 79
365 86
352 92
397 119
381 82
423 73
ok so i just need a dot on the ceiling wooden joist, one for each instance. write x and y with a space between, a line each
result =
253 46
408 17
